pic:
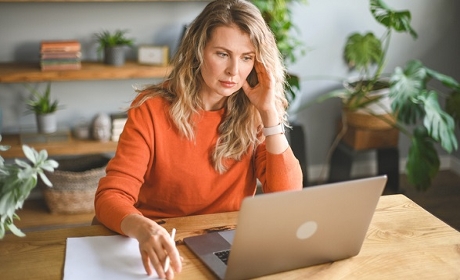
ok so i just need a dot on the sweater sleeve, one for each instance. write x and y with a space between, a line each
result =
278 172
118 191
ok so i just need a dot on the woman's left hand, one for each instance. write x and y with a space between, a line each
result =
261 95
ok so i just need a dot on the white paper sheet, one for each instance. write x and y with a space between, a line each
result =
104 257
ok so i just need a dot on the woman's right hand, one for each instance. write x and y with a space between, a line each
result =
155 244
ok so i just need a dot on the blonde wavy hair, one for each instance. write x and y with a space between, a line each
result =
240 130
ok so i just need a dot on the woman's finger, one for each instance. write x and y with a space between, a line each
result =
146 262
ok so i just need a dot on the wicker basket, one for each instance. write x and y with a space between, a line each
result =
74 184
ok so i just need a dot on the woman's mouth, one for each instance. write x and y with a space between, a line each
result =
227 84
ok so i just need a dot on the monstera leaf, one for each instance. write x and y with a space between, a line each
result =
406 85
439 124
453 106
396 20
362 51
423 161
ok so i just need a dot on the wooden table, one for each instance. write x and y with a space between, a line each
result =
403 242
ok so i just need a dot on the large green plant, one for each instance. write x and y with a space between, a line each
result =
278 16
17 180
415 101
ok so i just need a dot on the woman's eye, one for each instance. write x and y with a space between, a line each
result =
247 58
221 54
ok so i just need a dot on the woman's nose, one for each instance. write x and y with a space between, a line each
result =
232 67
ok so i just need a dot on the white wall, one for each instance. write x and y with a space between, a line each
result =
324 25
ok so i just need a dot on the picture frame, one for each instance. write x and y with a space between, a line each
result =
153 55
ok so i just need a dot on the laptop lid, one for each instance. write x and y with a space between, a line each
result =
288 230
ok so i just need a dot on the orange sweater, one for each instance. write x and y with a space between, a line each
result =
158 173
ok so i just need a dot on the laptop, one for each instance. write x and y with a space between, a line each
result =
292 229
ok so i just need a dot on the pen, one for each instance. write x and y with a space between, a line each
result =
173 233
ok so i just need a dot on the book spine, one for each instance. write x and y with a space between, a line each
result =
118 124
60 46
61 67
59 61
59 55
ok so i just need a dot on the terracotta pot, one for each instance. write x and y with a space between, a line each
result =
364 118
367 121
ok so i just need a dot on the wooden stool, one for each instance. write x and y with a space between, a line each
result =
357 141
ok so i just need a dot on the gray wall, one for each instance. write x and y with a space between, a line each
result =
324 26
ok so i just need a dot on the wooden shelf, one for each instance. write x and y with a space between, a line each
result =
30 72
71 147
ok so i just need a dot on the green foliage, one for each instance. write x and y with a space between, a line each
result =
362 51
278 16
423 161
118 38
453 106
415 102
16 182
41 103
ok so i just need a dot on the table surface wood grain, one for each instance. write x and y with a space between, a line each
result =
403 242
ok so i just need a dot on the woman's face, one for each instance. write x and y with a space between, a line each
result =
228 58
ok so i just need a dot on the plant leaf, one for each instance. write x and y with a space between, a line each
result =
362 51
30 153
340 93
12 227
45 179
22 163
49 165
453 106
438 123
396 20
405 88
16 182
423 161
444 79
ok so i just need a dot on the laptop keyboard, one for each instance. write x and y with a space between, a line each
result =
223 255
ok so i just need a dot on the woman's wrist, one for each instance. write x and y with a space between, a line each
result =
134 225
269 118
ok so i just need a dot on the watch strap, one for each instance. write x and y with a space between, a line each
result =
277 129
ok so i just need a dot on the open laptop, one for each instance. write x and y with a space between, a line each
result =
287 230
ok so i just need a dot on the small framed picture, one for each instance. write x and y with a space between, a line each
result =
153 55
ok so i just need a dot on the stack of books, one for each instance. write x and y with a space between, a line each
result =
60 55
118 123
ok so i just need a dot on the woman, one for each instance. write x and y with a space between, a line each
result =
198 142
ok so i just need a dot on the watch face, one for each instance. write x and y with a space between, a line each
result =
155 55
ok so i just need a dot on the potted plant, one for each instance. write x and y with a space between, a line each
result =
278 16
113 45
44 108
17 180
414 106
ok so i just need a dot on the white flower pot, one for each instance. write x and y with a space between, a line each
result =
46 123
